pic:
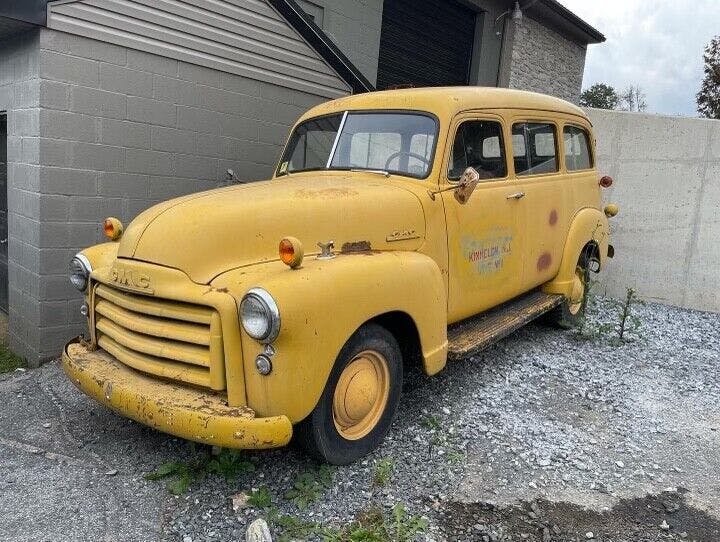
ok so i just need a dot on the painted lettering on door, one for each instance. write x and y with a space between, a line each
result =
487 255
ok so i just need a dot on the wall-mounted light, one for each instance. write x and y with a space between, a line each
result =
517 13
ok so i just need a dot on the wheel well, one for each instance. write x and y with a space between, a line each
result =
591 253
403 328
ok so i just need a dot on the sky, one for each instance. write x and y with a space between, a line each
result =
655 45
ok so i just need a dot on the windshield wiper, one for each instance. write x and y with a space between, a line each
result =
375 171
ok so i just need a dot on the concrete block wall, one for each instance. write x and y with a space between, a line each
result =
19 99
354 26
111 131
667 183
544 61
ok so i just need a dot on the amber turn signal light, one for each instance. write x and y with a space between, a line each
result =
606 181
112 228
611 210
291 252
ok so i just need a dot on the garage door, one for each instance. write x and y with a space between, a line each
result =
425 43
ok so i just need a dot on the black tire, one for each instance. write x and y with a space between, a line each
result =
563 316
318 434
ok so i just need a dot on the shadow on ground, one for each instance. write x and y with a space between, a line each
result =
662 517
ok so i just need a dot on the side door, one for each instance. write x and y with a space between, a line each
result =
484 235
539 172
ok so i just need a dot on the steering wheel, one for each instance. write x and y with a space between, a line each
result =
408 154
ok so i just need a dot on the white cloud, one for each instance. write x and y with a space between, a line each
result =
656 45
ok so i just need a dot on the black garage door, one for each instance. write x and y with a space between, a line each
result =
425 43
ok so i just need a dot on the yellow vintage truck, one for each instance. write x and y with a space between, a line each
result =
400 227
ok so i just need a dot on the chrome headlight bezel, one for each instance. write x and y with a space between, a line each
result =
79 270
262 305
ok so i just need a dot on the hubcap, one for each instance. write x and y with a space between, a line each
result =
361 395
578 291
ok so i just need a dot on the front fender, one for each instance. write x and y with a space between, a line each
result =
102 255
588 225
321 305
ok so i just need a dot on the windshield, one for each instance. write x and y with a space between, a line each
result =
397 142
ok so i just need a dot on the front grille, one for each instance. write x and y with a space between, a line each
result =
170 339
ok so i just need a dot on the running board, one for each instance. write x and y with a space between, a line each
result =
479 332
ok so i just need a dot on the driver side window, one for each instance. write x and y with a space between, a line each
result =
479 144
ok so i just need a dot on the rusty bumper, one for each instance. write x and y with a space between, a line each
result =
185 412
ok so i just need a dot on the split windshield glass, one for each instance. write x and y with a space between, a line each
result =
396 142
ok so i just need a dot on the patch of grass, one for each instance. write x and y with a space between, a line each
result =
9 361
456 456
308 486
383 472
431 422
260 498
372 525
375 525
230 464
293 528
182 474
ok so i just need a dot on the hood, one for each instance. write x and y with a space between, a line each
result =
209 233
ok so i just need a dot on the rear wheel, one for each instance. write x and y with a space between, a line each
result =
359 401
572 310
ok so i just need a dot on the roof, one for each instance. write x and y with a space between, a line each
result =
554 14
447 101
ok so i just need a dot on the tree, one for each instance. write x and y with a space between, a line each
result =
708 99
633 99
600 96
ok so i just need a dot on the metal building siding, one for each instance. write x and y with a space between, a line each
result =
244 37
425 43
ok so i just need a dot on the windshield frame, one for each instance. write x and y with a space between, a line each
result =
344 114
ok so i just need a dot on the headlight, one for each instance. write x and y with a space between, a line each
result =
260 316
79 272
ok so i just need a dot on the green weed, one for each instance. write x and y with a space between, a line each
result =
182 474
375 525
431 422
308 486
9 361
260 498
383 472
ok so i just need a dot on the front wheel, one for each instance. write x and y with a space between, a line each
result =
572 310
359 401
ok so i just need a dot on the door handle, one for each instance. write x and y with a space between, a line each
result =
518 195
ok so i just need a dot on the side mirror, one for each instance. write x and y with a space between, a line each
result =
467 185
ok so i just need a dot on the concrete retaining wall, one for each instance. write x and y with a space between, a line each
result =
667 183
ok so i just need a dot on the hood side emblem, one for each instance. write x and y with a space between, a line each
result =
402 235
326 250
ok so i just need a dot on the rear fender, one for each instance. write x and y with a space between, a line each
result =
321 305
589 226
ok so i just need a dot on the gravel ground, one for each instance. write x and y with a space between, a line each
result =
546 436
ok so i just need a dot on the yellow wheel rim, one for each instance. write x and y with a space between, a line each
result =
578 291
361 395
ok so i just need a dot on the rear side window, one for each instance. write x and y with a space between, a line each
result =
534 148
577 149
479 144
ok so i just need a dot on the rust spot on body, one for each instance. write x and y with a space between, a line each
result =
356 246
325 193
553 217
544 261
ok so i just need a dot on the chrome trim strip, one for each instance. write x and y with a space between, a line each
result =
337 139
